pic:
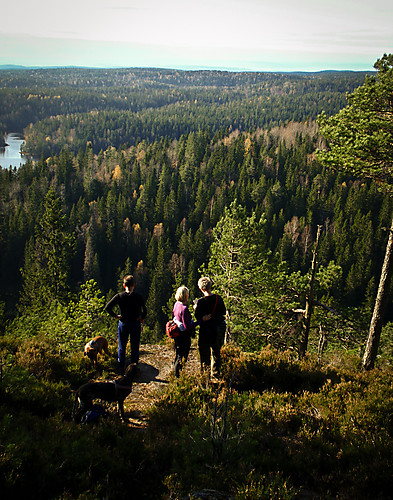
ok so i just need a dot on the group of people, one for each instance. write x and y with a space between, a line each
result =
210 314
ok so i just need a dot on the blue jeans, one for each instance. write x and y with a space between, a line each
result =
132 330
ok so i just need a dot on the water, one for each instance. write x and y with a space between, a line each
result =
10 155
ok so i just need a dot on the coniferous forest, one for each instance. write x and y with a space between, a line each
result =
169 175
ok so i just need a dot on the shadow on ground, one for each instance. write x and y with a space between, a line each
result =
148 373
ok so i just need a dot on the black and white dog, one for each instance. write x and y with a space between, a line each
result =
115 391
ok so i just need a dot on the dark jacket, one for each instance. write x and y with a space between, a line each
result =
206 305
132 306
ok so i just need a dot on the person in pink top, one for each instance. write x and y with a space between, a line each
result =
182 316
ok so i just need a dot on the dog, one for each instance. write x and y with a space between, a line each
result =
115 391
98 345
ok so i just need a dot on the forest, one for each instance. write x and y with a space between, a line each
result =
68 108
169 175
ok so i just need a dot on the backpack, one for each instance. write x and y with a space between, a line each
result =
92 416
172 330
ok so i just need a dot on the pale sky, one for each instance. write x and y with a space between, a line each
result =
255 35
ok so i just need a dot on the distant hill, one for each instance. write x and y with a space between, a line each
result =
12 66
145 103
222 70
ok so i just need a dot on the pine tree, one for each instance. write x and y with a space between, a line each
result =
360 141
88 265
242 275
265 302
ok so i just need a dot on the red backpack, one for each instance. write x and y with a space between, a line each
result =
172 330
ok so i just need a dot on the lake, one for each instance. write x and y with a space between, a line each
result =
10 155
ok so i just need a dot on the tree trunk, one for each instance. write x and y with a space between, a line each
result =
310 298
374 333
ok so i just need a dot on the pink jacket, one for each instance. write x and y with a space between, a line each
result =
182 316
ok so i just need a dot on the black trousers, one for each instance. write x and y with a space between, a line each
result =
209 344
182 350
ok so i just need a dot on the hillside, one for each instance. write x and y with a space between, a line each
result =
274 427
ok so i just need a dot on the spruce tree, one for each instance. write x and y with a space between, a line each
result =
47 258
159 291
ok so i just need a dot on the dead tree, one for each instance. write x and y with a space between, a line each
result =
310 298
374 333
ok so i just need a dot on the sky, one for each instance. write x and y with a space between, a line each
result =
245 35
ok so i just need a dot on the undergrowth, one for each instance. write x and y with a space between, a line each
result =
272 427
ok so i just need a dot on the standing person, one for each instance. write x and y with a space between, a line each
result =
132 313
182 316
211 333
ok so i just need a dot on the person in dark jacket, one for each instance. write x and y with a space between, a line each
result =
183 319
132 313
212 332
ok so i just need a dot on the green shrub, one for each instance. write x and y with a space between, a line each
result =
67 327
51 458
275 370
325 435
326 429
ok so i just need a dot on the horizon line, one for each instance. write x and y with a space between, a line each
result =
22 67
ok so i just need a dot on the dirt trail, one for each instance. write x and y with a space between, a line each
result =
156 368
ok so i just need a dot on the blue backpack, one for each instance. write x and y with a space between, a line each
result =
92 416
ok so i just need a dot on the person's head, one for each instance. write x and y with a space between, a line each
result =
182 294
129 282
205 284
